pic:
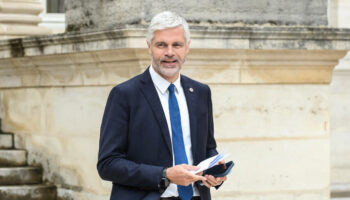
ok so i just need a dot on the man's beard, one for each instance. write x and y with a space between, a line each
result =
163 69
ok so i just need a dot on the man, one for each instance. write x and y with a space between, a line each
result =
158 125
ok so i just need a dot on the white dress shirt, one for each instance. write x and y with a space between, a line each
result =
161 86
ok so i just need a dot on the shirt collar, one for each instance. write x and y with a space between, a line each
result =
161 83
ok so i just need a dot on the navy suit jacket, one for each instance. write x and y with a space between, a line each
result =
135 143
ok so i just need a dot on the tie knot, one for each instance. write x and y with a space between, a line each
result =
171 88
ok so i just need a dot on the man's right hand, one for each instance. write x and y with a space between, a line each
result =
181 175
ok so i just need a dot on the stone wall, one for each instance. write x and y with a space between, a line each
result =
340 129
87 15
339 13
270 87
340 106
270 106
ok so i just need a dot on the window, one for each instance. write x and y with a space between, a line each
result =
53 15
55 6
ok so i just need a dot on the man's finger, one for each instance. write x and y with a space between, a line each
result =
221 162
220 179
199 178
206 184
211 180
200 174
191 167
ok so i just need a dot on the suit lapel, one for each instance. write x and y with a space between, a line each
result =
190 94
150 93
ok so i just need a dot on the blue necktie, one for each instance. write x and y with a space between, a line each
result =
185 192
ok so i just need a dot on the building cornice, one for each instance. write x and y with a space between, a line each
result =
203 37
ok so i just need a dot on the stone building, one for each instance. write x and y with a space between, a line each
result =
269 64
339 109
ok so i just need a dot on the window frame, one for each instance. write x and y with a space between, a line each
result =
55 21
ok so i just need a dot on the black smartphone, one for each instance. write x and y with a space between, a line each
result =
219 170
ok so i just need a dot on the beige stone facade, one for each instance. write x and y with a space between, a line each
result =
340 129
270 108
271 102
340 106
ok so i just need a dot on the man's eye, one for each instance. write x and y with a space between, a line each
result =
177 45
161 45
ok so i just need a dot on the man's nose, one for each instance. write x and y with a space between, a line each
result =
169 51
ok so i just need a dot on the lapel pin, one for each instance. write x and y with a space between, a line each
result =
190 89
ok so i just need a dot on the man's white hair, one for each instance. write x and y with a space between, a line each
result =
165 20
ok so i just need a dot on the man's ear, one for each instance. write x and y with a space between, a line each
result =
149 48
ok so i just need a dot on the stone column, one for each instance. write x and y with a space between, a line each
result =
20 19
340 129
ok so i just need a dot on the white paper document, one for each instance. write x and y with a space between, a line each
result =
209 162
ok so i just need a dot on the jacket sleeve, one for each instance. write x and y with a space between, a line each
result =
113 164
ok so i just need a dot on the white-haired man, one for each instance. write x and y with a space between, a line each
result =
158 125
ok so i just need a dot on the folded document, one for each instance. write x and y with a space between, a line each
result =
209 162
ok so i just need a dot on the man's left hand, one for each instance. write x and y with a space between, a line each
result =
212 181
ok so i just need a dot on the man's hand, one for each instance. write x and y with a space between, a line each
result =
212 181
181 175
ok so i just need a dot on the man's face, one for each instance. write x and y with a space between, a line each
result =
168 51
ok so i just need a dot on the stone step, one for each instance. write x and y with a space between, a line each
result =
340 191
6 141
28 192
20 175
13 157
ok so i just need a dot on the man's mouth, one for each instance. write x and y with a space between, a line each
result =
169 61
